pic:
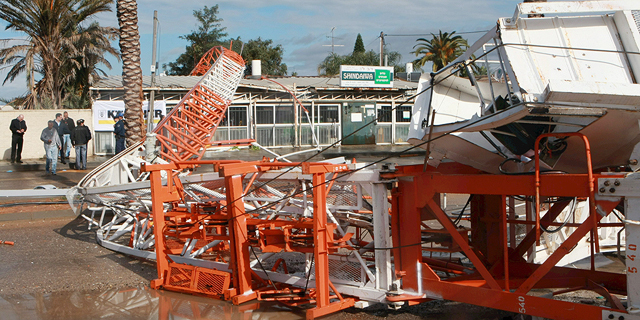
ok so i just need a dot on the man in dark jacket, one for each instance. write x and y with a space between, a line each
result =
62 129
119 131
80 136
67 136
18 127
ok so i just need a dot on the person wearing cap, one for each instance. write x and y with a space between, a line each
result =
118 130
52 145
80 136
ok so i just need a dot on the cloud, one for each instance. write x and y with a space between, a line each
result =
303 40
302 27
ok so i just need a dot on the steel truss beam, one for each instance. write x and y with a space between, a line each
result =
325 239
502 279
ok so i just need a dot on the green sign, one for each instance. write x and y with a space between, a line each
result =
383 77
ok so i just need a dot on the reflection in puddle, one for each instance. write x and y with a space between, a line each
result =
136 303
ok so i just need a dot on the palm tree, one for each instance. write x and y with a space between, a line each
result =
127 11
441 49
53 31
83 69
330 66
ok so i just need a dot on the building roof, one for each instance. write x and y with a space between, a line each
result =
188 82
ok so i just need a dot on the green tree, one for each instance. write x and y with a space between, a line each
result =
264 50
440 50
358 47
83 69
55 43
330 66
209 34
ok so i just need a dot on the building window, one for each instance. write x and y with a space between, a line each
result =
327 114
264 114
104 142
384 113
302 117
235 117
403 114
284 114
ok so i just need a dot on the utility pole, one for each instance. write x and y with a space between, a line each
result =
381 47
154 65
150 142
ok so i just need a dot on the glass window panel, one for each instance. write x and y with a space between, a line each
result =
403 114
237 116
264 114
328 114
104 143
225 119
284 114
384 114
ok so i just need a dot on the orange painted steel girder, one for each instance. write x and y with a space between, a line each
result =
502 279
243 289
205 62
185 132
160 195
239 242
322 240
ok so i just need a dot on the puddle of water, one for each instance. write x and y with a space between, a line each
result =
135 303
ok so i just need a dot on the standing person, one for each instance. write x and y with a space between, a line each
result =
67 136
118 130
18 127
80 136
52 145
62 129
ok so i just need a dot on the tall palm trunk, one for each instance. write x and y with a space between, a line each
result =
131 71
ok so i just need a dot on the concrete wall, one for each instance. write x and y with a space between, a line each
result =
36 121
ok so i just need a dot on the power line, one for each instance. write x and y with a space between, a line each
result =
361 128
428 34
395 154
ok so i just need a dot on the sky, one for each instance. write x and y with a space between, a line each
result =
303 28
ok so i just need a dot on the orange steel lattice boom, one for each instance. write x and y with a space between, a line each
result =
189 127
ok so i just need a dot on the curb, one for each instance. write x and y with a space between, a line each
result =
39 166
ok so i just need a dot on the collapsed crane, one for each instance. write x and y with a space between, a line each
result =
332 234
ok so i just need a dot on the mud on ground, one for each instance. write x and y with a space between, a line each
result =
61 255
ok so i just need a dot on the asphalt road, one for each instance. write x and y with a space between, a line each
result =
52 255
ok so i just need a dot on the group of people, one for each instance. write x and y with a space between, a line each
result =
58 137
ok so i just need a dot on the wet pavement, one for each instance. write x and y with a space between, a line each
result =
139 303
56 270
132 303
